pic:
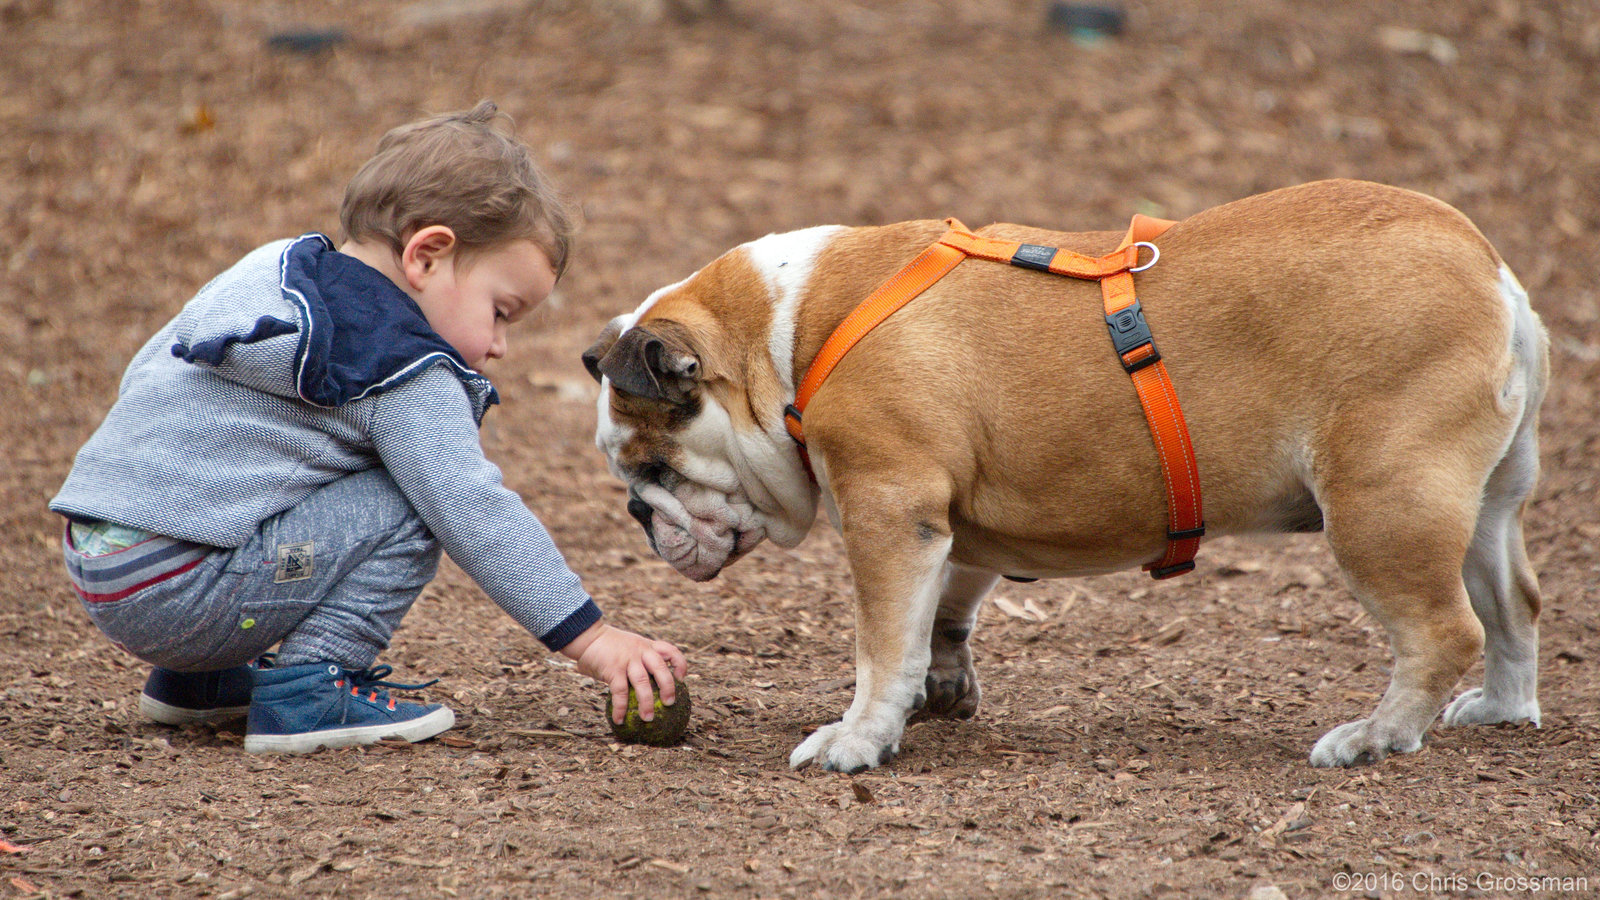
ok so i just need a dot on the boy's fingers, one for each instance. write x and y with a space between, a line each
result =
662 673
673 657
619 699
641 686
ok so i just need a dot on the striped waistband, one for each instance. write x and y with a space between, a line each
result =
113 576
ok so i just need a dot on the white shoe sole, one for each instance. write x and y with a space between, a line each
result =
413 730
166 714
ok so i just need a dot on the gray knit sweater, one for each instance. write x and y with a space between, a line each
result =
297 367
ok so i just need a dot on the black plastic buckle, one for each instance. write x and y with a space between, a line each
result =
793 412
1034 256
1186 535
1161 572
1128 333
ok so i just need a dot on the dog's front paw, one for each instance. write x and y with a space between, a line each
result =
1360 743
839 748
1477 708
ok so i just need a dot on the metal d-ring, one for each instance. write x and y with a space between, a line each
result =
1155 254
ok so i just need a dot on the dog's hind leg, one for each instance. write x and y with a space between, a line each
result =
952 682
1400 533
1500 581
1505 595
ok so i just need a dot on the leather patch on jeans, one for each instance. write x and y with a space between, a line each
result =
295 562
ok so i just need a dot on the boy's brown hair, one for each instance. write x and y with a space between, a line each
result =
459 171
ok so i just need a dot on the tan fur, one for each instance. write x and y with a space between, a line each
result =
1339 346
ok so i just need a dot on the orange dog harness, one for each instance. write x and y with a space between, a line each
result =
1130 336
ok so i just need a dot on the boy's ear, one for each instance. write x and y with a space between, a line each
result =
425 251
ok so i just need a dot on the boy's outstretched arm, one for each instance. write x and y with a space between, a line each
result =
620 658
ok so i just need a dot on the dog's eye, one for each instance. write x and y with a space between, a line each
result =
658 472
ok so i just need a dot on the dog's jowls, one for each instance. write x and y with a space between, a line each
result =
1349 357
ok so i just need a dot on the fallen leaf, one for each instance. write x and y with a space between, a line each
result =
1027 613
8 847
1422 43
670 866
863 795
306 873
1269 837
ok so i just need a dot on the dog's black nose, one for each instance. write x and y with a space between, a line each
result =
640 510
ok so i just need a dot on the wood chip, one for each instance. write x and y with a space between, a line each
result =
1269 837
539 733
670 866
306 873
1027 611
419 863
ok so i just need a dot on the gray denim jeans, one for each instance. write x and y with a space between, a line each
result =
329 580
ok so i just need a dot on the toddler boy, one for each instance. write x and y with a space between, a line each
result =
288 456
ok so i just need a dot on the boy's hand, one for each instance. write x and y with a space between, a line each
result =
621 658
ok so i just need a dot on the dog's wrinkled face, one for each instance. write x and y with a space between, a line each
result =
693 385
667 437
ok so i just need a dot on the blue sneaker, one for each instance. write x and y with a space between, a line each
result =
179 698
300 708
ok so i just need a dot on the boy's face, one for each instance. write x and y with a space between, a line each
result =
472 306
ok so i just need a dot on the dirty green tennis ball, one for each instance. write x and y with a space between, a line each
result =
664 730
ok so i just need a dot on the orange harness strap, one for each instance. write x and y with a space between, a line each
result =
1135 348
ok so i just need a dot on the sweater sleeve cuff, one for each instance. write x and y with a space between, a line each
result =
574 625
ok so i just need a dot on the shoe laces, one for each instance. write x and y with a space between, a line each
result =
373 678
370 680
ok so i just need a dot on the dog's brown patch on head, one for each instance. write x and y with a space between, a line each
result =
724 315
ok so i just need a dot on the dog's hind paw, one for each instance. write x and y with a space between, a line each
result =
1474 707
1359 743
952 695
840 749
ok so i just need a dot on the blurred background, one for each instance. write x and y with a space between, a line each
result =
146 144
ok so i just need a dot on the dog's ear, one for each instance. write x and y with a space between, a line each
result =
602 344
656 365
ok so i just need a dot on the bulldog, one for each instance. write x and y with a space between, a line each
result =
1350 358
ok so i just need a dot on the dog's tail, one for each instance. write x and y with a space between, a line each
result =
1524 387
